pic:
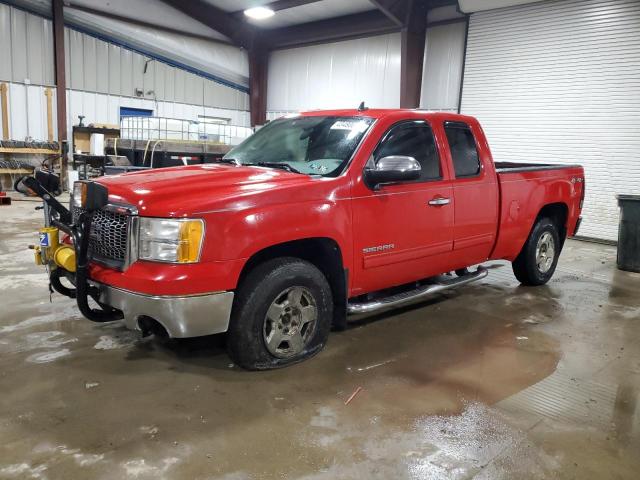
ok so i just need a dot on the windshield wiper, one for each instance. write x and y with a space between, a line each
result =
281 166
231 161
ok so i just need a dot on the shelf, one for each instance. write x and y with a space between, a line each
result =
13 171
29 151
90 130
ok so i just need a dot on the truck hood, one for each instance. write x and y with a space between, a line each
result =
182 191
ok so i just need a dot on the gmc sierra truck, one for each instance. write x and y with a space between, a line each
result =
314 218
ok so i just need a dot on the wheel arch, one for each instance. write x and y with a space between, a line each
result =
324 253
559 213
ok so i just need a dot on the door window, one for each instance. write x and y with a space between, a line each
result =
413 139
464 153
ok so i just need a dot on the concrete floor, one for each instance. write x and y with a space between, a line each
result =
492 381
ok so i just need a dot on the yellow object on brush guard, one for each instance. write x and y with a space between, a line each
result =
49 238
65 257
51 250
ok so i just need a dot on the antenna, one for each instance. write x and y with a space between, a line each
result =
362 108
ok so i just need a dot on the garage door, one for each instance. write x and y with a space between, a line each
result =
559 82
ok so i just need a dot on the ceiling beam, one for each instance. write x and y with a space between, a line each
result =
332 29
396 10
240 33
139 22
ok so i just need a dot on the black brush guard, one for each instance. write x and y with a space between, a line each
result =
79 231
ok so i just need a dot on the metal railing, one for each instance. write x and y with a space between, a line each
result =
162 128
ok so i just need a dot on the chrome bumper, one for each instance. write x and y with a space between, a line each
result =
182 317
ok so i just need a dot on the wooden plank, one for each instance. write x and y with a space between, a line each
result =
5 111
12 171
29 151
49 94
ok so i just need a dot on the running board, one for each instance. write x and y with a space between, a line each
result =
413 296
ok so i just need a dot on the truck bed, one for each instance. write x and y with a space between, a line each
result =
512 167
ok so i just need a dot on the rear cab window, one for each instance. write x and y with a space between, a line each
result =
464 152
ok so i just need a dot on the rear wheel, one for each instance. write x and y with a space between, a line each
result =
538 259
281 315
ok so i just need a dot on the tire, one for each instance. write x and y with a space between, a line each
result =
272 321
534 266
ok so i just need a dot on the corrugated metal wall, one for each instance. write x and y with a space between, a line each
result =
559 82
336 75
97 66
26 47
100 77
443 59
28 112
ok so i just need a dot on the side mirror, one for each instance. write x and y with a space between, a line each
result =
395 168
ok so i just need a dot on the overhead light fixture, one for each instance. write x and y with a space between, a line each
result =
259 13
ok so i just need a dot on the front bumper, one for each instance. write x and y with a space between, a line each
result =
181 316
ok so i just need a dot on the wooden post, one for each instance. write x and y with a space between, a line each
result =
5 111
49 94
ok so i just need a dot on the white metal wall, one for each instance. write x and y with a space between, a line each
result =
443 59
103 108
336 75
101 77
97 66
26 47
28 110
559 82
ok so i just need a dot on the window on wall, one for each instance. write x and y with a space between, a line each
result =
464 153
135 112
413 139
214 120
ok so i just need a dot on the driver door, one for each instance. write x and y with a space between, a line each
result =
403 231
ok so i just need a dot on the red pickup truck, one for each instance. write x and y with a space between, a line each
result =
314 218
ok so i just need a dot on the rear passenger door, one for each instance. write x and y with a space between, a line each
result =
475 195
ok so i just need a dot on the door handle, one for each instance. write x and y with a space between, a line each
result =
439 201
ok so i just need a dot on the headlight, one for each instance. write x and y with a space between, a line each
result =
168 240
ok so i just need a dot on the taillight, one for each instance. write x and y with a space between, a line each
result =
584 189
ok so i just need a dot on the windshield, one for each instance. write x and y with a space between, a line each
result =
310 145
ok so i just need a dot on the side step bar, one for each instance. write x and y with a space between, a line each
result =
414 296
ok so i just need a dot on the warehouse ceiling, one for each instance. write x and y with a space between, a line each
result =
303 22
297 12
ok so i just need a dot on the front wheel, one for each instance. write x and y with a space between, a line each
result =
282 315
538 259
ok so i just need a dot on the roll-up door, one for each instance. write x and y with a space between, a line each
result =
559 82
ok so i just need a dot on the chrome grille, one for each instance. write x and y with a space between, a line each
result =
108 236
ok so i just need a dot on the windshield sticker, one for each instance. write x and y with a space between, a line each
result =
357 125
